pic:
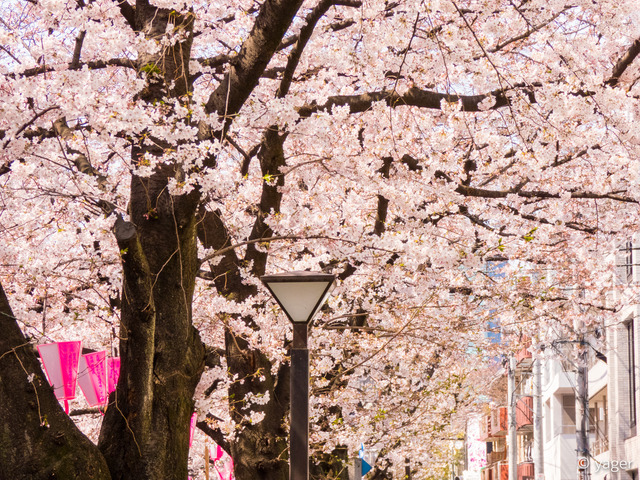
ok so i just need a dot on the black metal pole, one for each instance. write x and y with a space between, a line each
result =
299 430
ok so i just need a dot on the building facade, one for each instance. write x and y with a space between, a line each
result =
613 394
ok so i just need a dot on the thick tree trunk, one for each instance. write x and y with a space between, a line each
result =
37 439
260 449
145 435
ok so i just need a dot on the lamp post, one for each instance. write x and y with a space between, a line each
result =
300 295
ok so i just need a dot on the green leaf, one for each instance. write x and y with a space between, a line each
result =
529 236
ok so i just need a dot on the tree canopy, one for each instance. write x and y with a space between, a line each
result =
452 162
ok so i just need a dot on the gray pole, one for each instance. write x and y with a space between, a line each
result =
538 450
299 429
513 442
582 412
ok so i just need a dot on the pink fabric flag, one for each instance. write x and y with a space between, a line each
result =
192 427
92 377
60 362
113 373
223 463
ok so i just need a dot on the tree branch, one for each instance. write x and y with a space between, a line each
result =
22 129
81 161
383 202
528 33
485 193
303 38
223 59
128 12
544 221
213 433
623 63
77 51
413 97
225 250
93 65
273 20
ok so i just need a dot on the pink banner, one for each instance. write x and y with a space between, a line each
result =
92 377
60 362
113 373
223 463
194 419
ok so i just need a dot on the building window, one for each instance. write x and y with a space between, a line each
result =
624 263
631 352
568 414
599 422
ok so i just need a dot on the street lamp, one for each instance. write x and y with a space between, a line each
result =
300 295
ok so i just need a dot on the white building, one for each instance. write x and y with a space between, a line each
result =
614 400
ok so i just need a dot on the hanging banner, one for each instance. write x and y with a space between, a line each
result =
60 362
92 377
113 373
223 463
192 428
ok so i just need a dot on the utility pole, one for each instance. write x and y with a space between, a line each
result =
355 470
513 443
538 450
582 411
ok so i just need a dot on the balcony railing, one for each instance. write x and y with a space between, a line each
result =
495 457
600 445
524 412
526 471
485 428
499 422
523 357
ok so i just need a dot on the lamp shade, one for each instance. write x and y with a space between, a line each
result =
300 294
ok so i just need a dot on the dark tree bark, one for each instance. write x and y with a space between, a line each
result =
146 436
162 357
38 440
145 431
260 451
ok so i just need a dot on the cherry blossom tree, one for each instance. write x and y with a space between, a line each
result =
452 162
